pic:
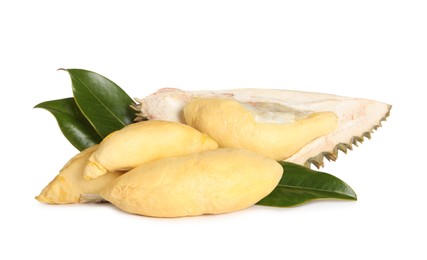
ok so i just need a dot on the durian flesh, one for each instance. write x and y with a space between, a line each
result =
273 130
357 117
70 187
211 182
142 142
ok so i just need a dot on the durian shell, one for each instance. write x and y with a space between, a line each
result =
358 117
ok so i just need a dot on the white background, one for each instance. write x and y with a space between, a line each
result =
370 49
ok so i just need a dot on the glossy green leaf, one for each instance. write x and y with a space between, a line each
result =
73 124
104 104
300 184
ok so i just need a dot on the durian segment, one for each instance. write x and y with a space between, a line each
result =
142 142
210 182
356 116
277 133
69 186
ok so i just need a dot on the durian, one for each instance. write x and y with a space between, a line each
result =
69 186
142 142
211 182
253 127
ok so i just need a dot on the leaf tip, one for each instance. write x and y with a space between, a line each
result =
39 105
62 69
352 194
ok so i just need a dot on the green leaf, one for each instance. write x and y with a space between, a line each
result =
300 184
72 122
104 104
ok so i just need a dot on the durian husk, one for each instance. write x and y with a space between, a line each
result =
167 104
344 147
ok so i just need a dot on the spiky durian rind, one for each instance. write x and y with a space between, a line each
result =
344 147
315 160
139 115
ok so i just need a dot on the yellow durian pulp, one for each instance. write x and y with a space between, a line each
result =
277 134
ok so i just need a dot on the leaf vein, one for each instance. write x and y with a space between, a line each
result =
311 189
71 115
100 102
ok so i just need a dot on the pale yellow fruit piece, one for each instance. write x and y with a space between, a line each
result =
145 141
69 186
277 132
210 182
